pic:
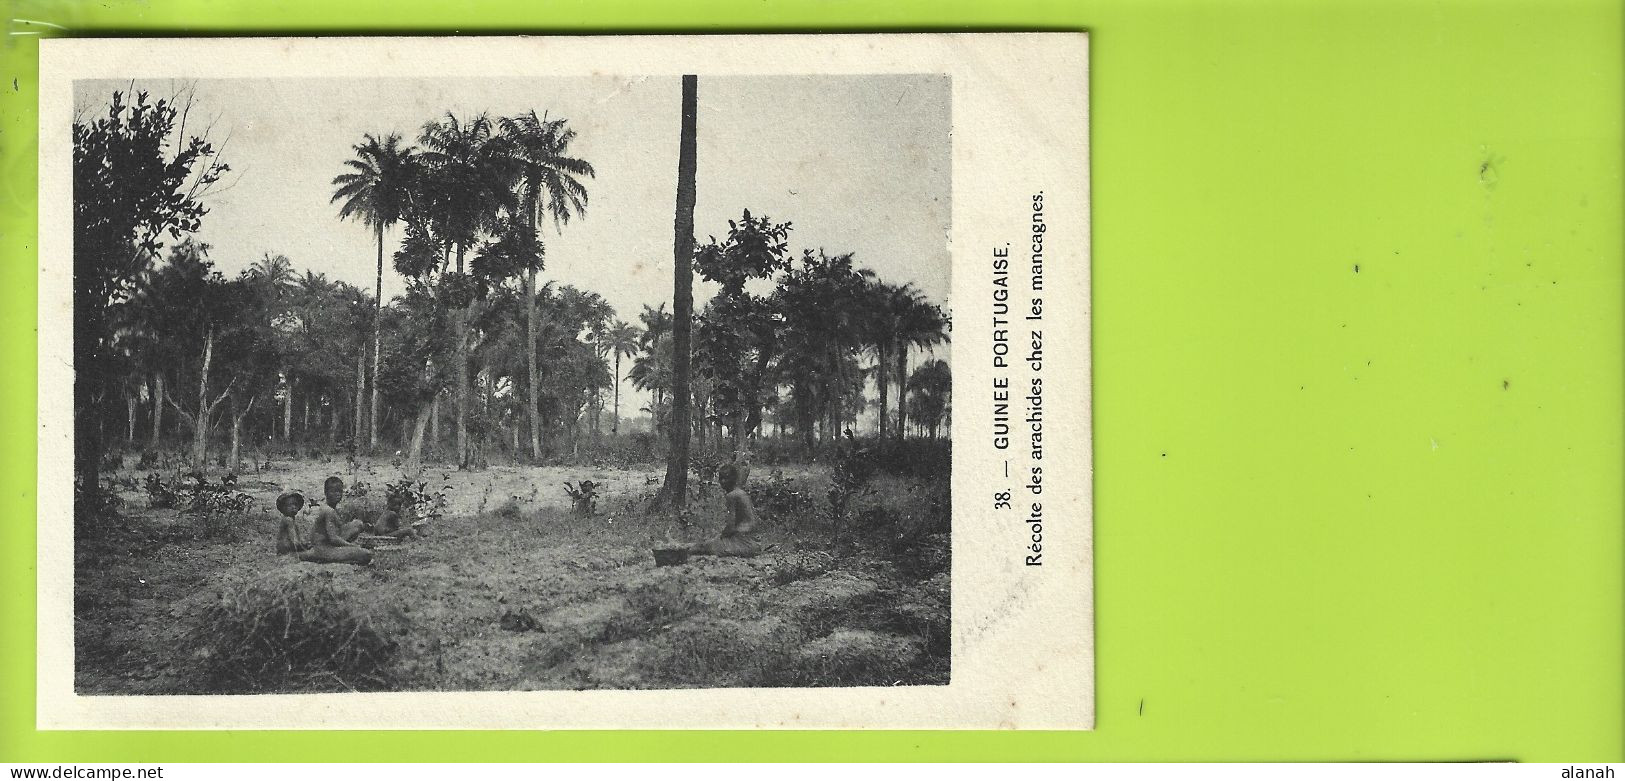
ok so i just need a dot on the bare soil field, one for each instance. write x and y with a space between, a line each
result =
510 591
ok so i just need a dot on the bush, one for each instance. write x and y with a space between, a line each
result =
296 629
416 500
217 508
782 495
849 479
94 504
161 493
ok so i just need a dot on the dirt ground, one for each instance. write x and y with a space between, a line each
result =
511 592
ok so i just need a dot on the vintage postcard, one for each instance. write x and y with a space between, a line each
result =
655 382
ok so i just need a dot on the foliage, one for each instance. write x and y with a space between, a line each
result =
94 504
782 496
415 500
376 187
930 387
849 478
130 192
136 181
216 508
786 339
911 525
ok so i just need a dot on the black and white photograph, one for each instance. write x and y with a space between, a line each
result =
389 384
460 383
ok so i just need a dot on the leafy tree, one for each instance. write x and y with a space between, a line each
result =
213 341
738 330
822 300
414 372
931 386
137 180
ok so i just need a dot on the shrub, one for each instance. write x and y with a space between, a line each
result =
849 479
782 495
94 504
215 507
161 493
416 500
295 629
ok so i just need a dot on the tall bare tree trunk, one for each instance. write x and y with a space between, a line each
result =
615 422
836 387
880 382
902 390
464 392
377 343
675 489
533 403
157 408
287 412
414 453
237 416
434 426
360 398
236 436
129 408
200 426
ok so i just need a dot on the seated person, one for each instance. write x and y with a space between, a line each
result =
736 538
290 535
392 523
331 540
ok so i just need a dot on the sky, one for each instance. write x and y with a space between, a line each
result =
856 163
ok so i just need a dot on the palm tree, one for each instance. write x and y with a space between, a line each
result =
656 323
885 306
675 488
932 385
136 325
652 372
465 181
276 276
275 273
375 192
621 339
540 148
920 324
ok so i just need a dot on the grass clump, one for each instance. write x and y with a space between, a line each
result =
295 630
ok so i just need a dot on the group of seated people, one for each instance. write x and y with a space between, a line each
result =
332 540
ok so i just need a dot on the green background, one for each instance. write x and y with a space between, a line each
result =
1340 514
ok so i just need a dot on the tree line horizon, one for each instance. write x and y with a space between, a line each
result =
521 362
